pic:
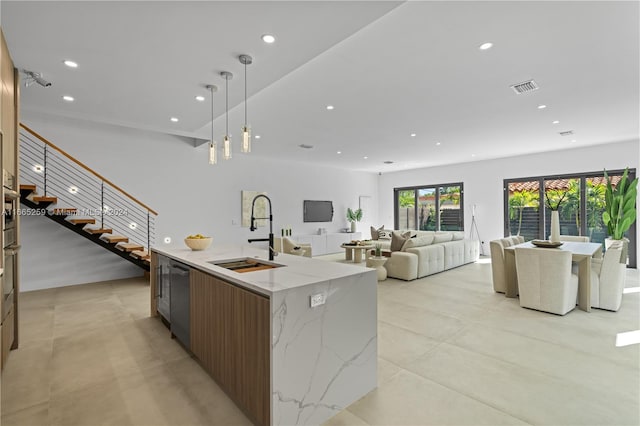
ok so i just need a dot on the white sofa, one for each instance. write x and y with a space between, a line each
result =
428 253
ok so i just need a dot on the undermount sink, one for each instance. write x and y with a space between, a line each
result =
245 264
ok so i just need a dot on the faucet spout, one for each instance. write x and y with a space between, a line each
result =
253 226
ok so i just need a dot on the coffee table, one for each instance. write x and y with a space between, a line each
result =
355 252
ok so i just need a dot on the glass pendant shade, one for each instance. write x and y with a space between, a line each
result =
213 153
226 148
246 139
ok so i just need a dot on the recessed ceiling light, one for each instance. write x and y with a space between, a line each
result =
174 119
305 146
556 122
68 98
200 98
73 189
70 64
486 46
438 143
257 136
413 135
365 157
268 38
339 152
133 225
329 107
167 240
542 106
388 162
38 168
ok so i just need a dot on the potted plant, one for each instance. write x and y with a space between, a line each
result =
620 209
378 250
554 199
354 216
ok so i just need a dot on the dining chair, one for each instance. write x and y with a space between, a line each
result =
545 281
607 279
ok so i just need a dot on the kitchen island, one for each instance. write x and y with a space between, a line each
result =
256 333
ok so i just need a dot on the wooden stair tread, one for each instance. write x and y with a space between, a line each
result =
99 230
27 187
65 211
115 239
140 254
82 221
129 247
41 199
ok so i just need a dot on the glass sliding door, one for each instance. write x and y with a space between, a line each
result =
523 206
427 209
450 212
405 204
563 194
595 189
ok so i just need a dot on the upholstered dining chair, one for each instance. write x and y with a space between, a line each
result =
287 245
545 281
607 279
574 238
498 267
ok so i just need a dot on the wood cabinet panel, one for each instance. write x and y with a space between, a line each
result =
230 337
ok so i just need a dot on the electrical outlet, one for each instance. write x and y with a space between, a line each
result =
317 300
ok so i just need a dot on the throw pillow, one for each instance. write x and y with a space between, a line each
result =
398 240
375 233
384 235
458 235
418 242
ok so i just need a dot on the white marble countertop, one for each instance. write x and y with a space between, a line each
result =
298 271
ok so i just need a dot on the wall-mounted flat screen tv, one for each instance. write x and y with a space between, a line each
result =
318 211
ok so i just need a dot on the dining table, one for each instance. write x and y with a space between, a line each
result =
581 253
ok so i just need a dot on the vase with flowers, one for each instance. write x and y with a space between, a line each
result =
554 199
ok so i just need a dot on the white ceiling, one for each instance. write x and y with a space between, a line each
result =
389 68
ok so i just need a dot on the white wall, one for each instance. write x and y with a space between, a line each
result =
191 196
483 180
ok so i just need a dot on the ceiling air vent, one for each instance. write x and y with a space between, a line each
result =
525 87
305 146
566 133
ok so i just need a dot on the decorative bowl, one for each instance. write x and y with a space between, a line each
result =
545 243
198 243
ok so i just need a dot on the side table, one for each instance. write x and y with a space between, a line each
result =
378 264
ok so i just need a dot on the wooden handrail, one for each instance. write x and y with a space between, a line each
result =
42 139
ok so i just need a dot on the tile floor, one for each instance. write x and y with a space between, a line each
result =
451 352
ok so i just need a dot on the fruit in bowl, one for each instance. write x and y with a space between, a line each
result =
198 242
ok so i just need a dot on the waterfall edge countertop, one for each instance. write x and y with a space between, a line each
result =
297 271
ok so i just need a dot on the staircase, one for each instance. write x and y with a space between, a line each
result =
78 198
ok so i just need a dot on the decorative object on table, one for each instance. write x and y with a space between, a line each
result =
378 250
553 203
198 242
354 216
620 209
546 243
260 208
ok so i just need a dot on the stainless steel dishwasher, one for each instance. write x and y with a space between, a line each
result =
180 305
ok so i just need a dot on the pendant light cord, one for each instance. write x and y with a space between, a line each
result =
245 94
227 104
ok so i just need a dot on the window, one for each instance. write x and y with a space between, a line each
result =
581 209
429 207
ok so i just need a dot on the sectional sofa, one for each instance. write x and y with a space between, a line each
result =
429 252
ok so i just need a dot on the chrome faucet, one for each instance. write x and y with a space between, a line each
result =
253 226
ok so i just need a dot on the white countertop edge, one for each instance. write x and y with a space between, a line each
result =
298 271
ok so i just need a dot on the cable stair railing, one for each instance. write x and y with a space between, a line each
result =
63 189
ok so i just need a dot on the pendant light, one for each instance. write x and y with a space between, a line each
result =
226 143
246 131
213 148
